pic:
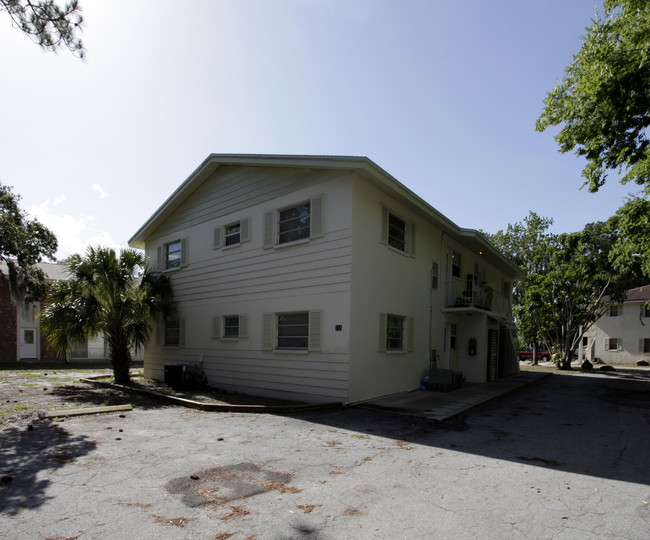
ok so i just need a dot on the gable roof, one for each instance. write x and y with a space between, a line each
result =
640 294
53 271
362 166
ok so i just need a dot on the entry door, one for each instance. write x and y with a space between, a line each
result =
28 343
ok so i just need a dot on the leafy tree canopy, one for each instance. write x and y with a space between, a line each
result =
23 243
46 23
115 296
631 251
603 102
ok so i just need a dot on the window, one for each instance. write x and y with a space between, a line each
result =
230 327
301 222
434 275
452 336
294 223
29 337
396 332
615 310
397 233
645 346
173 255
645 311
232 234
297 331
293 330
613 344
455 264
173 332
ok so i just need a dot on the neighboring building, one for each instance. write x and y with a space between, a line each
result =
323 279
20 329
622 334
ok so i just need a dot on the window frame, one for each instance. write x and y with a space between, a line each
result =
280 324
303 230
406 335
168 326
397 328
615 310
229 236
177 261
645 346
618 344
275 237
230 327
403 243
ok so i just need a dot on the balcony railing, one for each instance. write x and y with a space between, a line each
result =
89 353
471 295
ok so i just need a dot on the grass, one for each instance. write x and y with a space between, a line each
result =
13 409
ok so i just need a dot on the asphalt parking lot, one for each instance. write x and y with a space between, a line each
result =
565 458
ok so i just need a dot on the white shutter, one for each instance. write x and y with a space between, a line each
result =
619 344
216 327
641 345
411 334
607 344
243 326
315 330
217 238
383 321
412 241
268 334
245 230
269 217
316 217
384 225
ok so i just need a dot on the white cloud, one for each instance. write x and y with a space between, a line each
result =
98 189
74 233
59 199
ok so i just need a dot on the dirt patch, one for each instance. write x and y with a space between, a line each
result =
221 485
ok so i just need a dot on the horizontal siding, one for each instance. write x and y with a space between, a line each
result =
233 188
312 377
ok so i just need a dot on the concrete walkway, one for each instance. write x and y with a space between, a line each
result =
445 405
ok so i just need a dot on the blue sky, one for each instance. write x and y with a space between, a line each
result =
441 94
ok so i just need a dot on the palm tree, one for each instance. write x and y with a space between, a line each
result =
117 297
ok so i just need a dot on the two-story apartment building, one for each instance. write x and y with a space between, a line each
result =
622 334
323 279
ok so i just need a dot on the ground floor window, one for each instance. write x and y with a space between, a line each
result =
395 326
172 332
231 326
645 345
613 344
293 330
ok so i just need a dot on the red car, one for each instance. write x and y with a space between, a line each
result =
542 354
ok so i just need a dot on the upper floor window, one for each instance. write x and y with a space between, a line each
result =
303 221
232 234
231 326
397 232
173 252
172 255
455 264
645 311
615 310
294 223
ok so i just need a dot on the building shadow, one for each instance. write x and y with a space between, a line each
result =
591 424
26 458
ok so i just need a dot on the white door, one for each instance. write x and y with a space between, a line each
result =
28 343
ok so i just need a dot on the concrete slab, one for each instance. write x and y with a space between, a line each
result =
443 406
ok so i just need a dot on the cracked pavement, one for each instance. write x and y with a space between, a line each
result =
566 457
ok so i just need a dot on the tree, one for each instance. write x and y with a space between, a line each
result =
47 24
579 286
631 252
603 101
23 244
526 243
108 295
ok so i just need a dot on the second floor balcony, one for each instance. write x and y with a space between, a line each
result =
470 296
